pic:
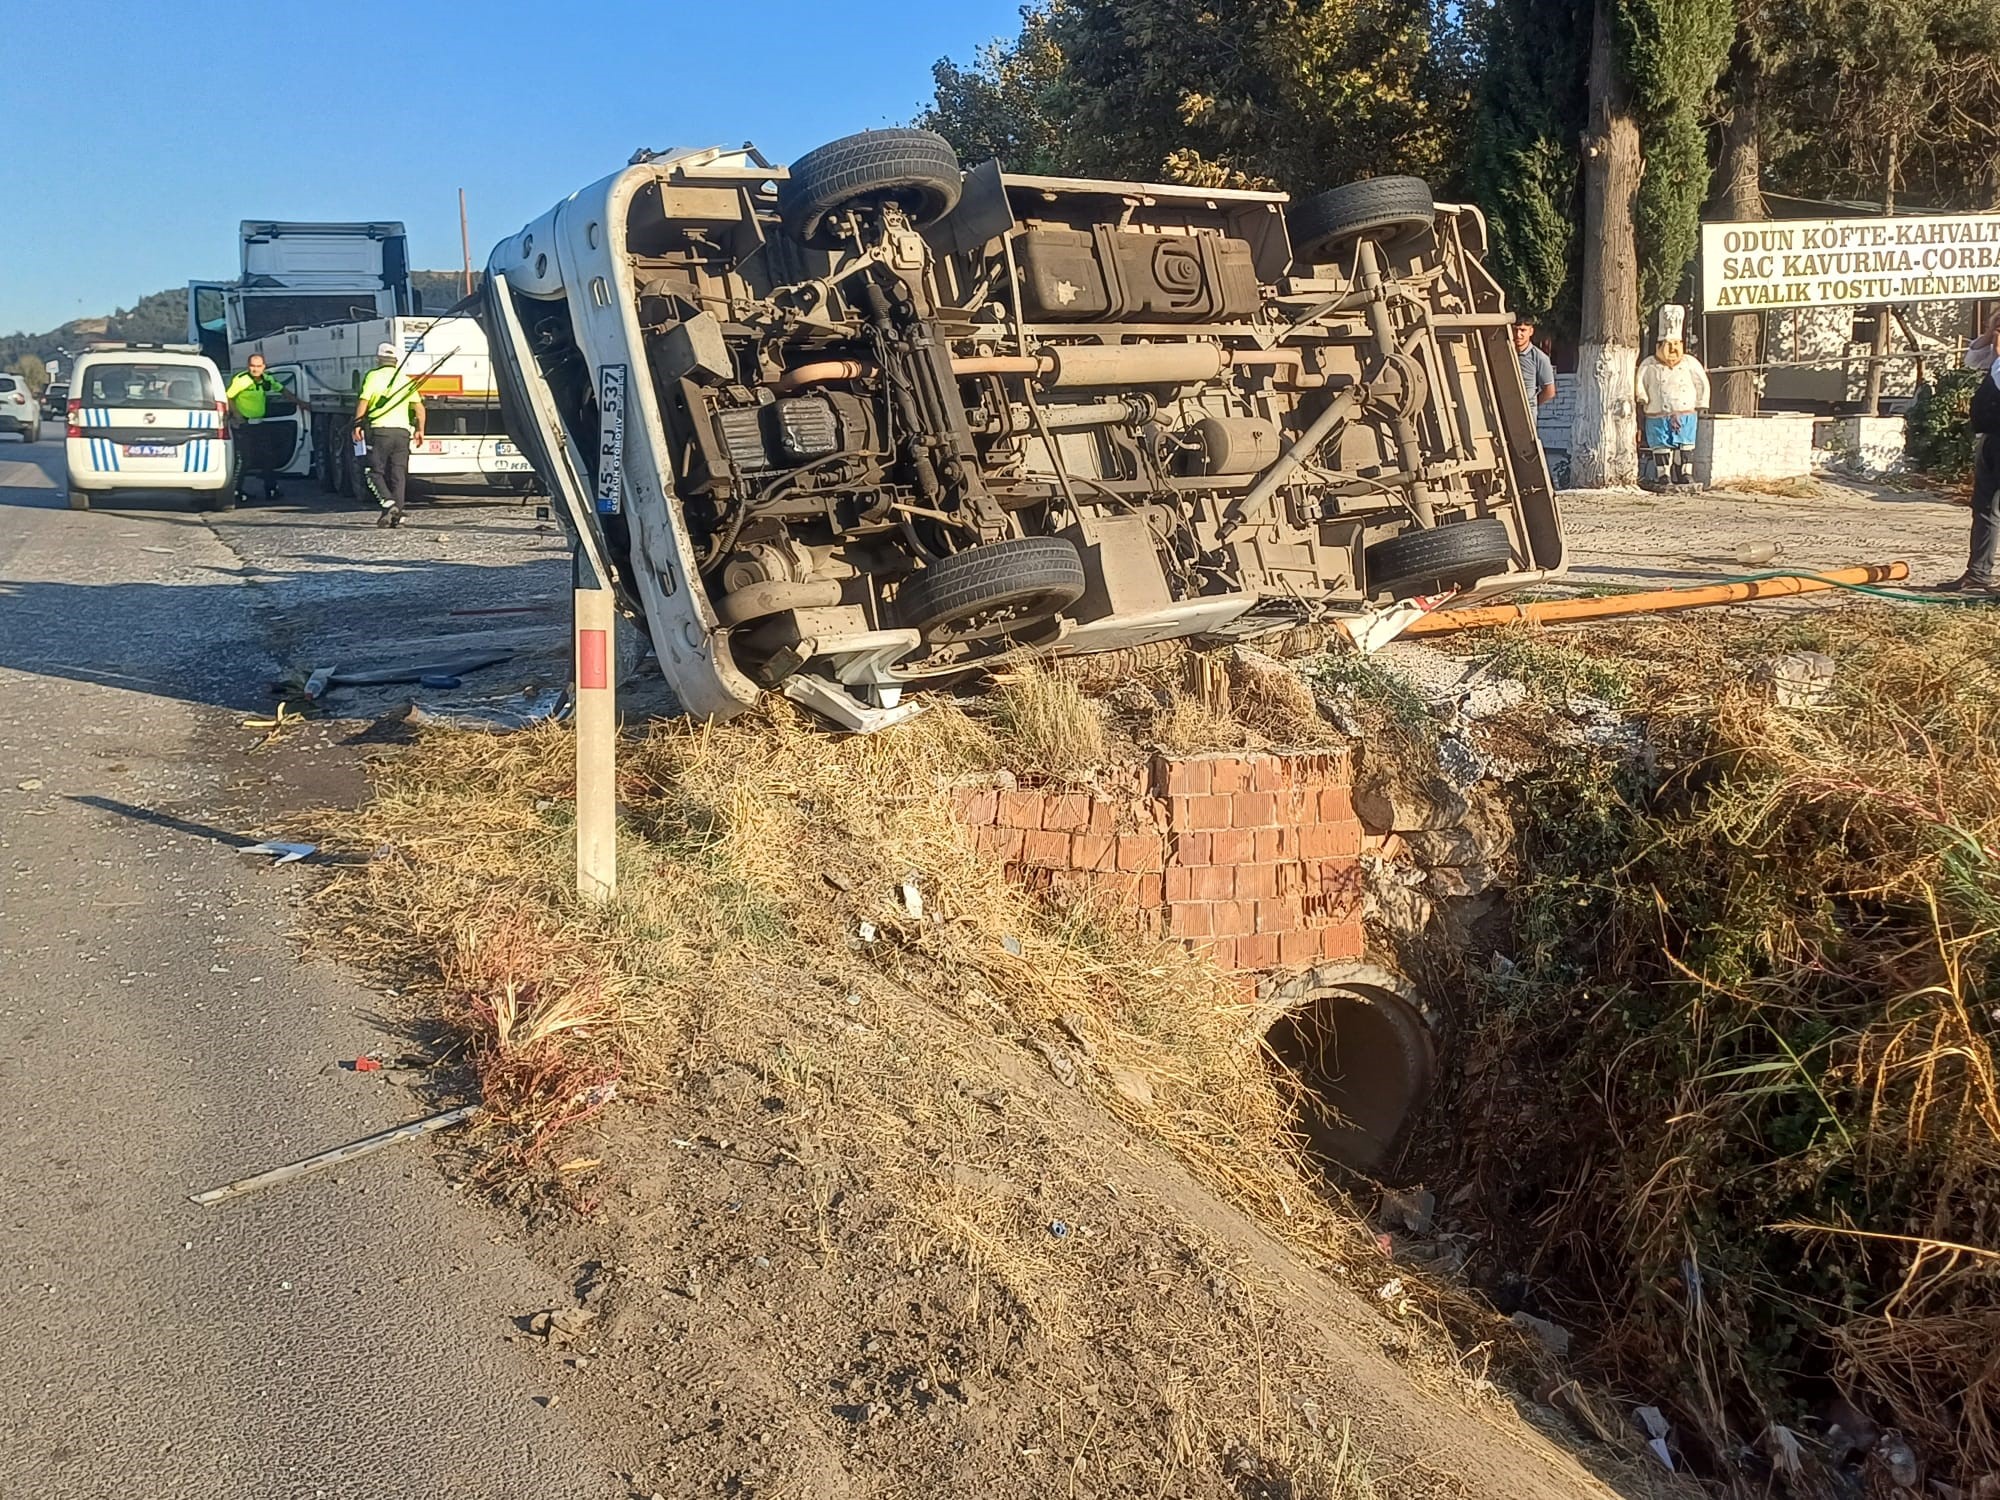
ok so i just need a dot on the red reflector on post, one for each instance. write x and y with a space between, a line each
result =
591 671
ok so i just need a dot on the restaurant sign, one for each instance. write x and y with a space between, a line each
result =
1849 262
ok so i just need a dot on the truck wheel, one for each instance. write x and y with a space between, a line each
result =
78 500
1456 555
992 590
916 168
1392 209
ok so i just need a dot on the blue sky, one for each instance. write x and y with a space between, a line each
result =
153 128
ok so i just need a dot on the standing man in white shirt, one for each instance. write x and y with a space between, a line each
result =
1978 577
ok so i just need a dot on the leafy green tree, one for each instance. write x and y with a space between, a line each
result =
1528 116
1300 94
31 369
1008 101
1886 99
1534 105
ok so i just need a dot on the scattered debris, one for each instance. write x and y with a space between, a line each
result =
321 679
32 784
1657 1431
501 715
366 1146
284 718
1058 1230
470 661
1551 1336
1060 1063
1132 1086
842 709
286 853
560 1324
1370 633
364 1065
912 898
1798 679
1415 1209
440 681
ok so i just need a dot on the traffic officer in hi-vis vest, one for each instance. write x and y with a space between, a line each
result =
389 416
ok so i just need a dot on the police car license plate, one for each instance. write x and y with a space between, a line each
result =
148 450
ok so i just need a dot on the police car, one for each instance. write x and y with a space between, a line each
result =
147 417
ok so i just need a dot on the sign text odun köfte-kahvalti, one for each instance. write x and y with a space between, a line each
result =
1849 262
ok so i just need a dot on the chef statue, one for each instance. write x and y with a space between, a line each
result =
1672 389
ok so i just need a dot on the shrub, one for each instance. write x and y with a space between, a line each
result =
1938 435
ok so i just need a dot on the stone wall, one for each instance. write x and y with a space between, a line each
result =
1253 857
1776 445
1861 446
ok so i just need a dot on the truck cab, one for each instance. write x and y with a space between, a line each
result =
316 300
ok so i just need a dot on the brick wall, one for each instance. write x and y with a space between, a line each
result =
1251 857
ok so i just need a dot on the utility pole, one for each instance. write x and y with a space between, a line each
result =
596 724
465 241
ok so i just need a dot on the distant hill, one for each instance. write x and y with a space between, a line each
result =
161 317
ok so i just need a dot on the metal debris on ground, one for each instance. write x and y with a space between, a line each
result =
450 666
499 715
1371 632
366 1146
285 853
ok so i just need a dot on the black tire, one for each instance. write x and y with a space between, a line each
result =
1392 209
917 168
993 590
1429 562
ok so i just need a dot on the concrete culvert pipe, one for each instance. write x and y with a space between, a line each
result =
1357 1054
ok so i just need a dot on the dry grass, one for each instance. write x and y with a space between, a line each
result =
1761 980
1045 722
754 856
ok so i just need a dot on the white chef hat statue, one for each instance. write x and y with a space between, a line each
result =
1672 390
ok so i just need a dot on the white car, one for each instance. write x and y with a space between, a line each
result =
18 411
148 417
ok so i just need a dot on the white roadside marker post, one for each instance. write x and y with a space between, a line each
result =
596 721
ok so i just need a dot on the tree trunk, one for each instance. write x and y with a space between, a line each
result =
1603 451
1739 198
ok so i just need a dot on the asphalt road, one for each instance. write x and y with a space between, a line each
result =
341 1336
